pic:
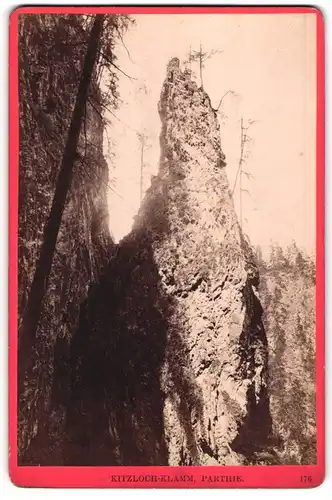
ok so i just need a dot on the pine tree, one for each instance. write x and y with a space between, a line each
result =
201 57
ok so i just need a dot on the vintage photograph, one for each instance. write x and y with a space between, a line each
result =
167 239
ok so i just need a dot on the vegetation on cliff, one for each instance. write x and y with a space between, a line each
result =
288 293
52 49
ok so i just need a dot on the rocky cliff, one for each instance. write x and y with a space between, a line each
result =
288 294
48 87
169 362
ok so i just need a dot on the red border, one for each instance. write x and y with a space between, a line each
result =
101 477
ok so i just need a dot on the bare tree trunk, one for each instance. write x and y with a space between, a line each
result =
241 162
244 139
43 267
201 64
190 59
142 164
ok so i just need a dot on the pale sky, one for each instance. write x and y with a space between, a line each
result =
269 61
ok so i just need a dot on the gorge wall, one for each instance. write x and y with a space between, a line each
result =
288 295
48 88
170 358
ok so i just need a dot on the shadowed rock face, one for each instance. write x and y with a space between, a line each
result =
169 363
84 245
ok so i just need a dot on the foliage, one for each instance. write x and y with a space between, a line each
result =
200 57
288 297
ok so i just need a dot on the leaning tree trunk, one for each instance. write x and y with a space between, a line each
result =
31 318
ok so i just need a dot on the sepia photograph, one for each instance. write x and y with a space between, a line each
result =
167 239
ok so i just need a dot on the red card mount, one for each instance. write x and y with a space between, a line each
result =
157 338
